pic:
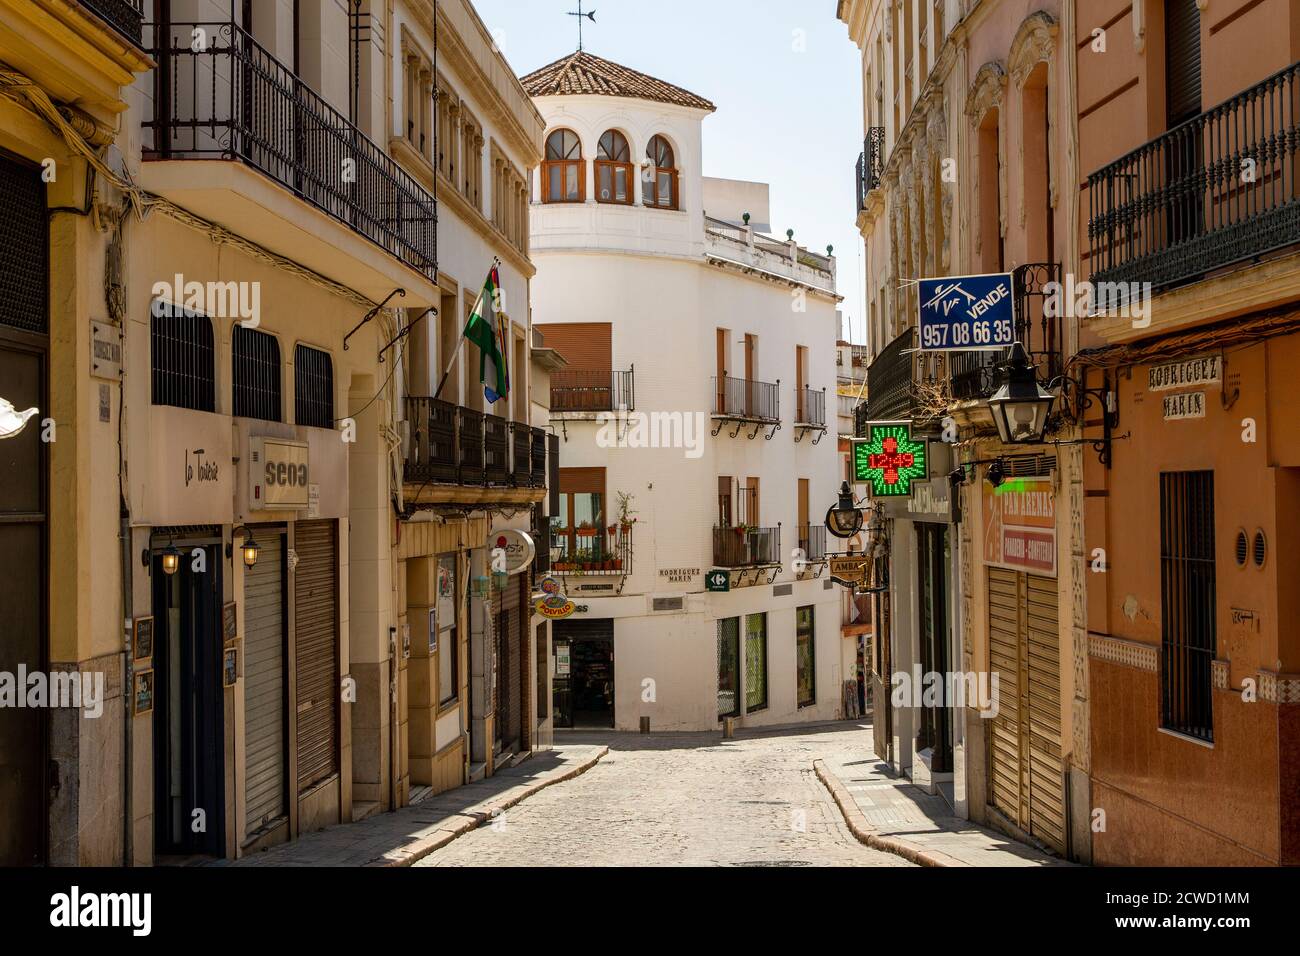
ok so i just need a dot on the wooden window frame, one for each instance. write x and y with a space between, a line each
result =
613 165
578 163
651 188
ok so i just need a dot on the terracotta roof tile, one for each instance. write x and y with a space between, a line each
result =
581 73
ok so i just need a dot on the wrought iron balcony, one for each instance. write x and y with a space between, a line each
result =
593 550
890 394
746 402
124 16
459 446
812 542
746 547
228 98
871 163
592 390
810 407
1216 190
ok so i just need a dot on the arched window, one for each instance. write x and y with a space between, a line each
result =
563 178
255 375
614 169
660 175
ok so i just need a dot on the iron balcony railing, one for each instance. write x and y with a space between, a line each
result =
1216 190
871 163
592 390
739 398
810 406
603 552
219 94
454 445
812 542
889 381
746 547
975 375
496 454
124 16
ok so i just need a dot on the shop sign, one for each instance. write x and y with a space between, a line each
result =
890 460
1185 373
967 312
849 570
1184 405
279 474
511 551
561 660
552 603
1020 526
717 581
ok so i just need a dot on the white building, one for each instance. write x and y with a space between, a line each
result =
659 290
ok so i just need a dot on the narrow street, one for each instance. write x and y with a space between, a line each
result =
682 799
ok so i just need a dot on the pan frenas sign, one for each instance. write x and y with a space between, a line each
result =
890 460
1020 525
967 312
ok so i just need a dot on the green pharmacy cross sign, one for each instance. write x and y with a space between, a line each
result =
890 460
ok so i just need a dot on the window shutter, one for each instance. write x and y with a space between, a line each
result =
1182 60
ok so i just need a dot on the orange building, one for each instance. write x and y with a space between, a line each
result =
1189 141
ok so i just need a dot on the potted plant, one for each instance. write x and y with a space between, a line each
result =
626 516
618 564
586 530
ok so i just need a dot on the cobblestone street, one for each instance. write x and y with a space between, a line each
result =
682 799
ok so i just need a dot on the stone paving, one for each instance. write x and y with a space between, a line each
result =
683 799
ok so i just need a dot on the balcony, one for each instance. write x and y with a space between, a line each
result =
812 542
871 163
809 413
124 16
231 102
728 245
1181 206
890 393
747 403
747 547
454 449
592 390
597 551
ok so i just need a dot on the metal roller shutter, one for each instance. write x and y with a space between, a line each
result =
264 686
508 661
316 646
1005 757
1026 771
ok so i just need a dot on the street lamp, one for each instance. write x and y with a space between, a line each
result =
249 549
844 520
1021 406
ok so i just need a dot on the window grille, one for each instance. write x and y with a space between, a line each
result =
255 375
313 387
183 358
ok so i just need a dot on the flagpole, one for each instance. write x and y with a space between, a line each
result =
496 261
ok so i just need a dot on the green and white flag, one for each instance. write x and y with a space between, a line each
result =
483 329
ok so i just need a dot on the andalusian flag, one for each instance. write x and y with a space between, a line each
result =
485 330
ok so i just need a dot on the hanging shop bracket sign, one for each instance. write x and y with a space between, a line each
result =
967 312
850 570
890 460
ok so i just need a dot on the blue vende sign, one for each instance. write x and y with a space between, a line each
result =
967 312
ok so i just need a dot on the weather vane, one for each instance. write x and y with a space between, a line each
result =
579 14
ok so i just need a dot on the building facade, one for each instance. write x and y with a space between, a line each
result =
230 300
691 417
1191 664
968 137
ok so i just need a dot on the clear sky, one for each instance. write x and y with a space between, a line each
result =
784 76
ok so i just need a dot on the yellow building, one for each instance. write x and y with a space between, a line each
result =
226 260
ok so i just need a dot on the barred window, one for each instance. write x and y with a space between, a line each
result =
313 387
183 358
255 375
1187 602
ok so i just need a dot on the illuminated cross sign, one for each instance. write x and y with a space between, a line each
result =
890 460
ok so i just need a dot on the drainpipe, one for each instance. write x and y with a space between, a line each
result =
128 686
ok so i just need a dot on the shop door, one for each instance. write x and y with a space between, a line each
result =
264 686
24 325
188 726
586 700
508 640
316 646
1026 773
